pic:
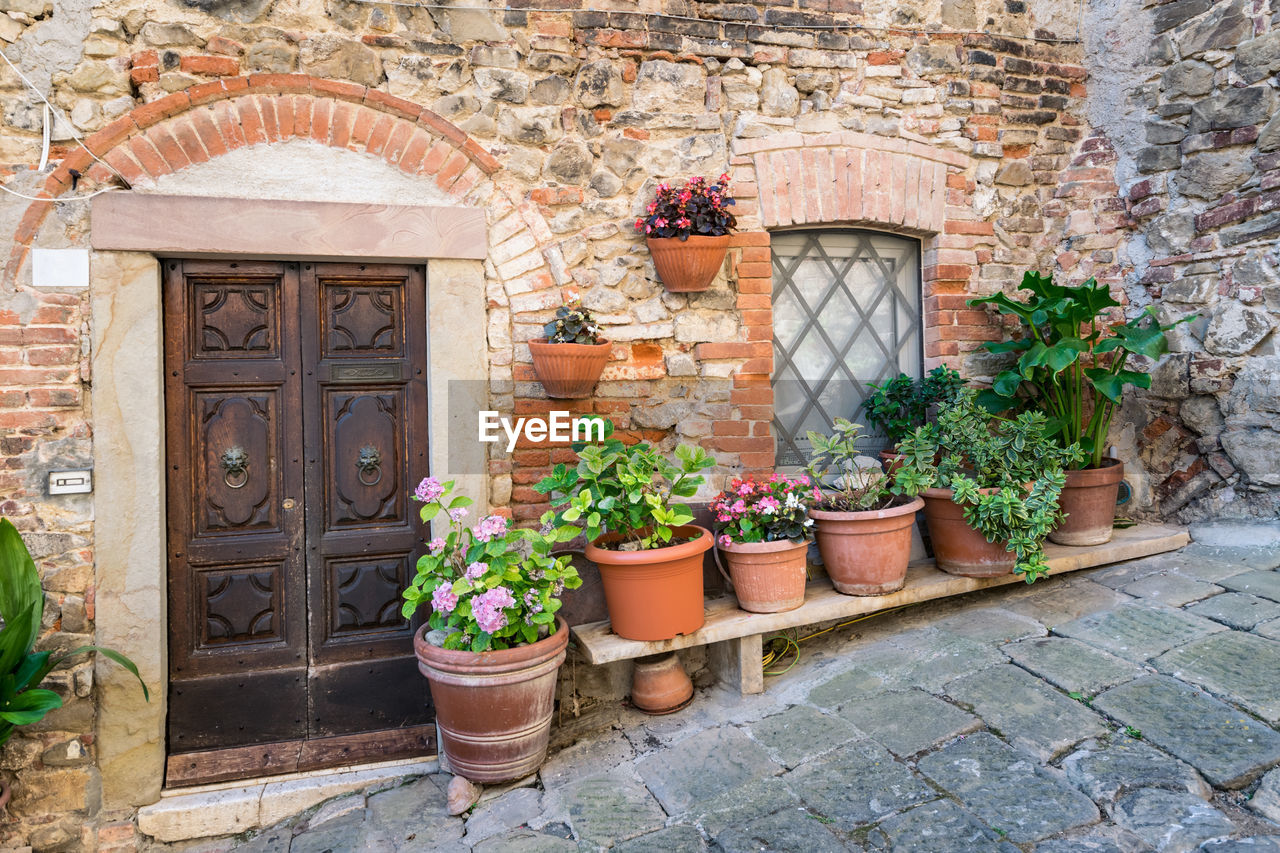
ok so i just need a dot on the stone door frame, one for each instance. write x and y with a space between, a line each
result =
132 231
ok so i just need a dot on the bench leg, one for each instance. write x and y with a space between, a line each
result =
739 662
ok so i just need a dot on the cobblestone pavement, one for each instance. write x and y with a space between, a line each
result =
1129 708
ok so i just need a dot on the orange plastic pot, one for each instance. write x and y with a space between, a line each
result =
493 709
654 594
1089 502
569 371
957 547
687 266
866 553
767 577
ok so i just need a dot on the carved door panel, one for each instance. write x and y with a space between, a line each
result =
365 431
297 414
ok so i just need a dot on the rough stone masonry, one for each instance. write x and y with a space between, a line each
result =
1140 149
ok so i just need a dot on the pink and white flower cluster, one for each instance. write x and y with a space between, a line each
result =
751 510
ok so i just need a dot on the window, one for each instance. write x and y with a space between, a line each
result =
846 313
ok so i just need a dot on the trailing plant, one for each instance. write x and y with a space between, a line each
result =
968 450
22 700
1072 364
771 510
848 480
897 406
625 490
699 207
573 325
489 586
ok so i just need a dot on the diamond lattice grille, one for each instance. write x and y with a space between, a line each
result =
846 313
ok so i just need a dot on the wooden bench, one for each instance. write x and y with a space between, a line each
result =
735 637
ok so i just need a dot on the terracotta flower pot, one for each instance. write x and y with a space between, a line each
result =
494 708
768 577
654 594
866 553
569 371
659 684
891 461
957 547
690 265
1089 501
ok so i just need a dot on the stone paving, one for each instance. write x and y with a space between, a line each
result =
1129 708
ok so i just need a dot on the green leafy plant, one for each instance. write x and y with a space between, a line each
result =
897 406
1072 364
625 490
849 481
490 586
573 325
22 700
1006 474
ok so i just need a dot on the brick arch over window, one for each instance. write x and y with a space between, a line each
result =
208 120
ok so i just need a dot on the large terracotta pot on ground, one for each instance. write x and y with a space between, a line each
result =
1089 501
768 577
654 594
569 371
687 266
957 547
494 708
866 553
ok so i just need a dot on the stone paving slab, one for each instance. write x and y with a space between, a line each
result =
1140 631
930 658
1261 583
1227 746
1256 844
1171 589
857 784
700 767
1270 630
1071 665
1111 767
1171 821
1242 668
680 838
1083 844
525 841
783 832
610 808
800 733
1026 711
1237 610
990 625
1247 557
845 686
1007 790
1066 600
908 721
742 804
937 827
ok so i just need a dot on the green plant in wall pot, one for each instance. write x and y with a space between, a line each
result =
990 487
1073 365
626 498
22 700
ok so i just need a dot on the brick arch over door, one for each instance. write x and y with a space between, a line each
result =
210 119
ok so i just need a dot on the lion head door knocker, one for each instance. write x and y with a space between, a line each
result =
369 465
235 467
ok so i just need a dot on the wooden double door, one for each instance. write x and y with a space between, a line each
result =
296 403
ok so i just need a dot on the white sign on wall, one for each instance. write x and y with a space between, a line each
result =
60 267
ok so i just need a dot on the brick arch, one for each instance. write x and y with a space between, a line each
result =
208 120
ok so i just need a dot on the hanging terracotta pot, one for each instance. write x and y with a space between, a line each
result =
654 594
767 577
659 684
866 553
687 266
494 708
569 371
957 547
1089 502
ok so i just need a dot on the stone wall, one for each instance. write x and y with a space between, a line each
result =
1187 90
558 123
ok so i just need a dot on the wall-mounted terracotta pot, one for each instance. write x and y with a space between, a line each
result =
1089 501
957 547
494 708
654 594
569 371
768 577
866 553
687 266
